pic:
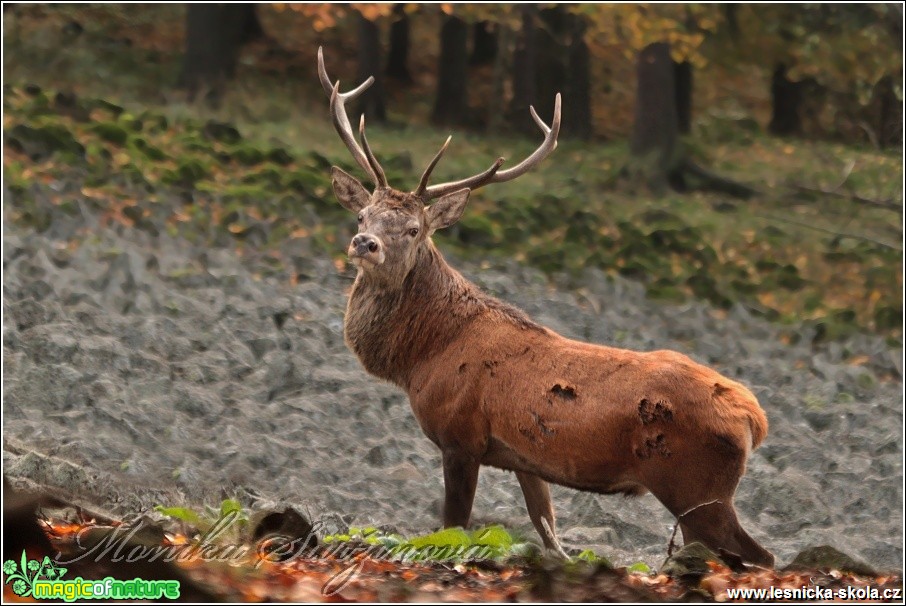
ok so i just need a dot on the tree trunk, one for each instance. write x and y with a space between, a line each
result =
497 115
551 58
371 102
484 43
451 104
577 95
524 72
890 114
251 25
786 98
656 127
398 58
214 35
683 75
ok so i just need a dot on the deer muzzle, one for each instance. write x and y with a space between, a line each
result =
366 248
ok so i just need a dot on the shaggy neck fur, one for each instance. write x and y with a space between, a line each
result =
392 329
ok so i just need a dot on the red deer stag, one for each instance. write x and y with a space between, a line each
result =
491 387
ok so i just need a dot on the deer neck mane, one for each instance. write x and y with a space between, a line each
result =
393 329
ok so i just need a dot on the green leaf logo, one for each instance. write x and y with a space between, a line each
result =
22 575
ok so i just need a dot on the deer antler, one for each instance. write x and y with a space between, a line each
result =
338 101
492 175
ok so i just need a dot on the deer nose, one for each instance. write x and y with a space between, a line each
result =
364 244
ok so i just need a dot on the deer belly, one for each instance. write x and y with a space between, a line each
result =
601 467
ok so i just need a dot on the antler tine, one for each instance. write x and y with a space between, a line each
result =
375 166
423 182
338 114
492 175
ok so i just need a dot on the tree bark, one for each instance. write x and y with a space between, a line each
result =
577 95
251 25
497 115
398 57
890 114
214 35
786 98
683 75
451 103
372 102
656 127
524 72
484 43
551 58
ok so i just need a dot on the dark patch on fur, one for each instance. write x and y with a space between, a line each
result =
539 421
719 389
528 433
462 367
628 490
567 392
728 444
658 411
491 365
655 445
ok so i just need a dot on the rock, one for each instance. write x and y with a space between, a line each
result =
197 402
690 561
826 558
282 534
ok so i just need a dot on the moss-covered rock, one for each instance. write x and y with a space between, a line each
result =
689 562
247 155
112 133
148 150
186 174
280 156
664 289
42 142
826 558
112 108
221 131
887 317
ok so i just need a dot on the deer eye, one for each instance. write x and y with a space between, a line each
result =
413 232
361 217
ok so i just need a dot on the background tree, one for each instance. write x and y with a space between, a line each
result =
372 102
214 35
484 42
655 126
524 73
817 53
398 55
451 103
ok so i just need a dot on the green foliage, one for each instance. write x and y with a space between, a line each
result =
229 509
183 514
640 567
450 544
845 47
591 557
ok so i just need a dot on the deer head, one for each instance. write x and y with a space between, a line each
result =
394 225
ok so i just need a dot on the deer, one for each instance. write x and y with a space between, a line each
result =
489 386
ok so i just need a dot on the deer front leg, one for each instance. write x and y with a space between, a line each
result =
538 501
460 479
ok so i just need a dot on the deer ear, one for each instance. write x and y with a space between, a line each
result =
351 194
448 209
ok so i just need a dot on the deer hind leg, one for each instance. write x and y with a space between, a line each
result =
460 480
717 526
697 485
541 511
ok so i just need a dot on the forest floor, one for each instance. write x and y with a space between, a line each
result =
173 303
